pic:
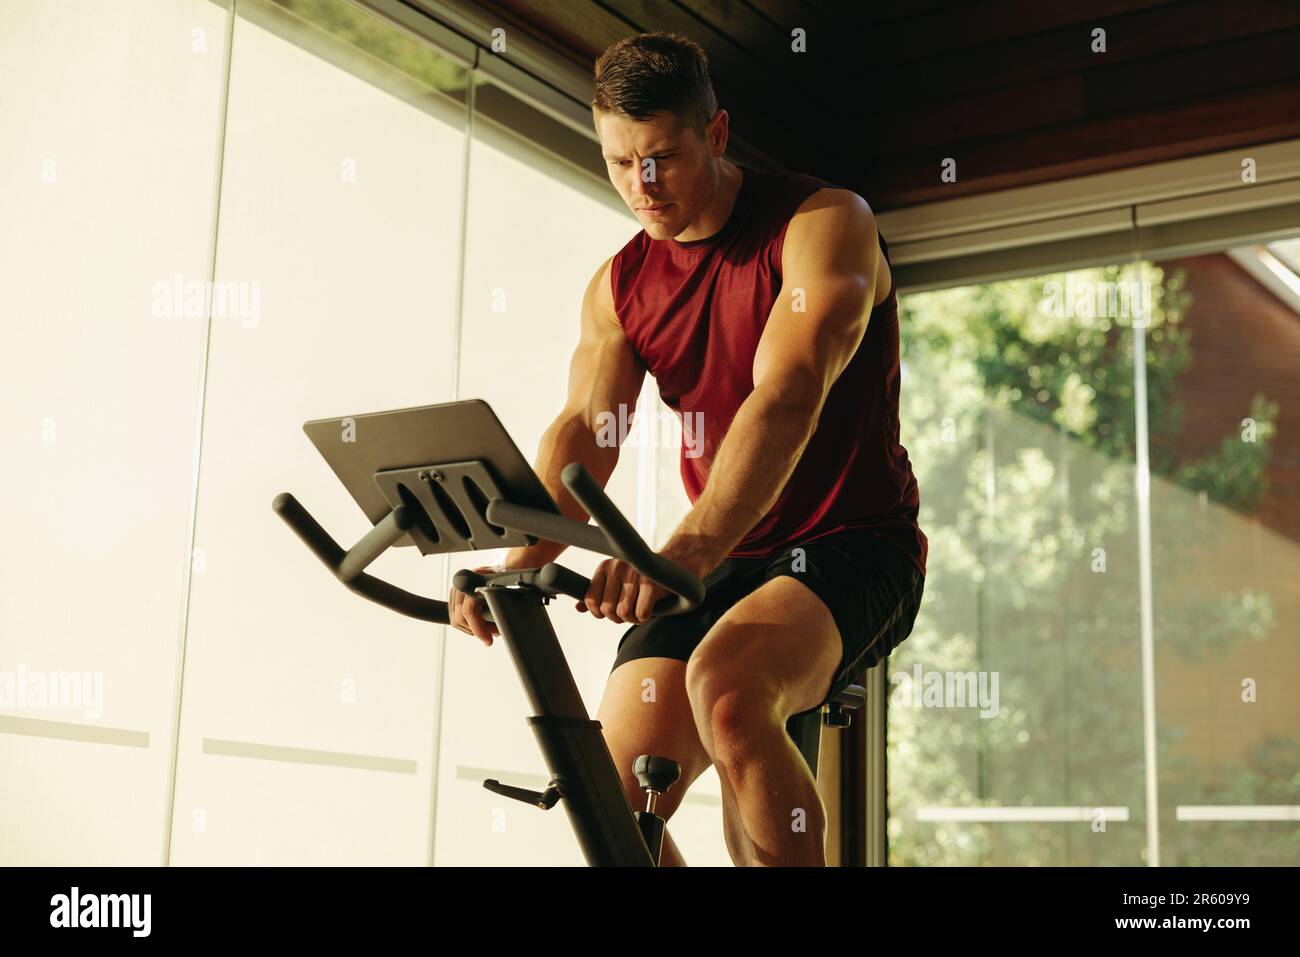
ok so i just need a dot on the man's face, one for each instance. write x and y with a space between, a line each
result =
665 172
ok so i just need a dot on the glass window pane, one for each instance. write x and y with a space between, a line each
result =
109 119
1225 514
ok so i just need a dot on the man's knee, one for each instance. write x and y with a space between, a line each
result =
733 704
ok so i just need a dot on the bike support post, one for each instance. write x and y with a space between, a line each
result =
573 745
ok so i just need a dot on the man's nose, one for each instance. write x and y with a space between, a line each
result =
639 185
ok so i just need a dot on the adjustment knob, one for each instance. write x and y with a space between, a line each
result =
655 773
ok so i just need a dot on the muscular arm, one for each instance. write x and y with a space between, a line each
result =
603 373
829 266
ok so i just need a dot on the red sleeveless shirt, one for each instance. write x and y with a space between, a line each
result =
694 311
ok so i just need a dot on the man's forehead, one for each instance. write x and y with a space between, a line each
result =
650 135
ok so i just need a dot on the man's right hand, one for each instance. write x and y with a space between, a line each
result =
465 612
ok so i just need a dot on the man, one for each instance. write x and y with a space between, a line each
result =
763 306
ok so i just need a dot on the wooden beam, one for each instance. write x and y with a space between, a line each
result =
1133 38
947 31
1095 146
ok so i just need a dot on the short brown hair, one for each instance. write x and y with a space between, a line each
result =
652 72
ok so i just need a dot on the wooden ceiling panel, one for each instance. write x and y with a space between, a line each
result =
1248 117
1130 87
1062 52
980 24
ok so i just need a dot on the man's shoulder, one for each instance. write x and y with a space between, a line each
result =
625 267
630 254
786 194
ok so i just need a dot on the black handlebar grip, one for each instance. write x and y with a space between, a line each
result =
308 529
564 580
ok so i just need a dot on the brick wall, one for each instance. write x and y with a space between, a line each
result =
1244 341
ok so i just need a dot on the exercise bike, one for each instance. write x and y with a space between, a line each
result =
448 478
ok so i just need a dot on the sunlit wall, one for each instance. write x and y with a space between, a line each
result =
107 171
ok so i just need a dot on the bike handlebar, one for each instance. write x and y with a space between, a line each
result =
349 566
612 535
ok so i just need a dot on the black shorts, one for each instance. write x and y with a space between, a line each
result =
871 587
